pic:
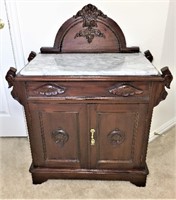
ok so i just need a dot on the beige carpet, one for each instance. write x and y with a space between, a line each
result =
15 180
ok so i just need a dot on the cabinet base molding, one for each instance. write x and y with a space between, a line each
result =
135 176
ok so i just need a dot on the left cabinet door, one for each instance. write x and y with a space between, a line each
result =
58 135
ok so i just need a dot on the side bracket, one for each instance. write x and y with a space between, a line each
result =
10 76
167 79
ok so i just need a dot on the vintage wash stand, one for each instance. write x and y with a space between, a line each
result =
88 102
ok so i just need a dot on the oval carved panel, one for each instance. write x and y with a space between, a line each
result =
116 137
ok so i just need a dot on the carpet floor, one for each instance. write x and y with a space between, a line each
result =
16 183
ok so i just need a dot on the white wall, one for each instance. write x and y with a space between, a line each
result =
146 23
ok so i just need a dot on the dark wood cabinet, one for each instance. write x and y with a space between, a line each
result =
89 113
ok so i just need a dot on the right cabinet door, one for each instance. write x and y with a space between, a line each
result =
119 135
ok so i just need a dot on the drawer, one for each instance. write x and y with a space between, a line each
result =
88 90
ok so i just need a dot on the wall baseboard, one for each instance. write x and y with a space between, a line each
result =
162 129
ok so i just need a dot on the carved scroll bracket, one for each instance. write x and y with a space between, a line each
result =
125 90
10 76
167 76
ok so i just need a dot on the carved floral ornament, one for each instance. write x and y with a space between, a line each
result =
60 137
116 137
89 14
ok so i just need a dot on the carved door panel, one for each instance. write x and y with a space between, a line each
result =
118 135
62 130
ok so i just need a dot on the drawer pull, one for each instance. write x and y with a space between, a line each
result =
125 90
92 131
50 90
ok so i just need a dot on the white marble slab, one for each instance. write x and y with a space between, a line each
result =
109 64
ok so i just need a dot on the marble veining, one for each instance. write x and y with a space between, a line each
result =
109 64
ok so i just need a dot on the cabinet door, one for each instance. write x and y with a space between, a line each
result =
119 132
59 135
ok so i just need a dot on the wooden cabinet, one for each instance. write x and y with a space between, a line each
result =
88 131
89 114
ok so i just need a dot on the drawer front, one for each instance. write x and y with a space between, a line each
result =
88 90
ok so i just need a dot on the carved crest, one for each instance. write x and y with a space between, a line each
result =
60 137
89 15
125 90
50 90
116 137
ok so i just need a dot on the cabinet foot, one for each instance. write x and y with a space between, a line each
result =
139 180
139 183
38 180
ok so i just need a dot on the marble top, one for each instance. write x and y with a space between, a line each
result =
108 64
